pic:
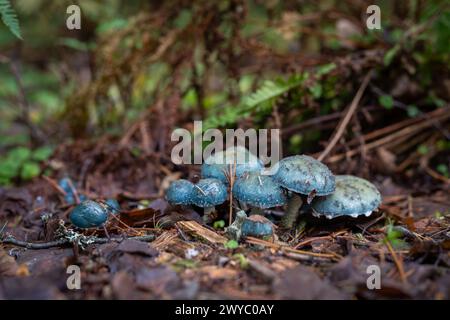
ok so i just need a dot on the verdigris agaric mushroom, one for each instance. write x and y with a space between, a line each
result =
218 165
258 191
180 192
207 194
254 226
112 206
353 197
88 214
67 185
302 175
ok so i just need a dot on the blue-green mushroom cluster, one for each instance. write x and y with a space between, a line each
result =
206 193
293 181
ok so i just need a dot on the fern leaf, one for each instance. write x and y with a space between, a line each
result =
271 89
9 18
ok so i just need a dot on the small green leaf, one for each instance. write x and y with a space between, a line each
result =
231 244
326 68
422 149
183 19
390 55
386 101
9 168
316 90
443 169
412 111
219 224
42 153
30 170
19 154
243 262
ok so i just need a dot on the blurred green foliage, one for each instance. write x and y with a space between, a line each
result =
252 57
22 163
9 18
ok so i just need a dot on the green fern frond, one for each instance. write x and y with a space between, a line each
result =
272 89
9 18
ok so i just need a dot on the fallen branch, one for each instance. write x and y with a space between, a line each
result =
61 242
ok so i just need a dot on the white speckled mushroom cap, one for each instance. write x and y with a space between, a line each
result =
304 174
353 197
258 191
209 193
217 164
180 192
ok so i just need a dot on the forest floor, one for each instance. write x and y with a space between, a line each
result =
408 239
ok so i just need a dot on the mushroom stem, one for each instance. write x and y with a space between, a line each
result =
208 214
292 211
243 206
256 211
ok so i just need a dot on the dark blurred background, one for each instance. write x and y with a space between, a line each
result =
138 69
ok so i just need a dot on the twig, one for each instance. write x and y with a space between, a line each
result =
347 117
52 183
403 106
57 243
397 262
257 241
305 242
391 139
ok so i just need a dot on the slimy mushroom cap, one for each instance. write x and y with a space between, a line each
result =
353 197
88 214
259 191
304 174
180 192
209 193
219 163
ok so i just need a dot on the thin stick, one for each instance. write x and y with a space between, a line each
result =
57 243
232 176
287 248
52 183
347 117
397 262
305 242
391 139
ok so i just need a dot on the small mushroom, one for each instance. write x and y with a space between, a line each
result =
353 197
218 165
257 226
258 191
302 175
180 192
207 194
68 186
88 214
112 205
254 226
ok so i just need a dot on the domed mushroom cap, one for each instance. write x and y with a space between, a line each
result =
353 197
258 191
257 226
112 205
304 174
217 164
88 214
209 193
180 192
